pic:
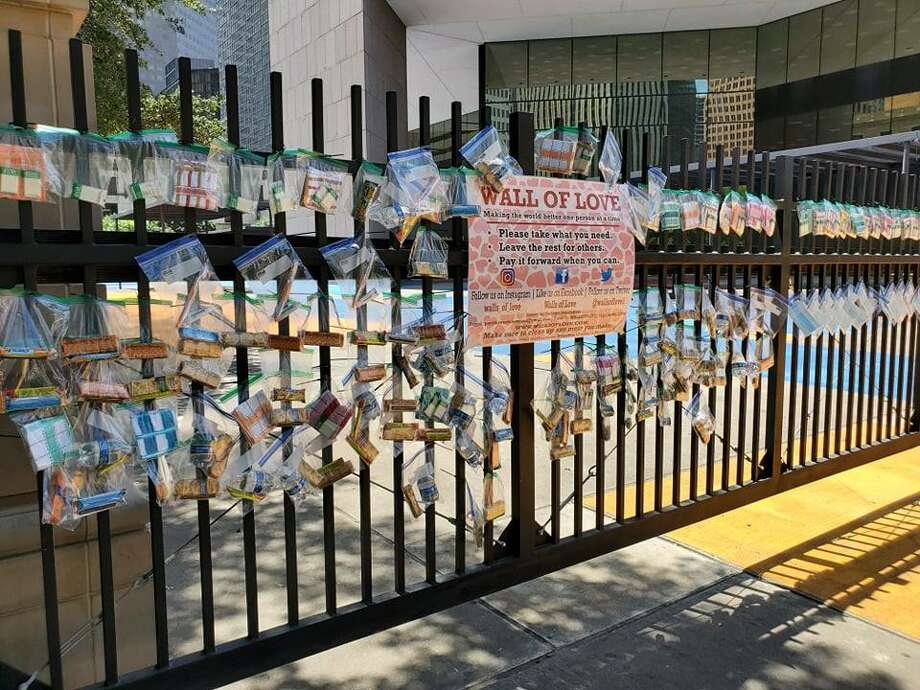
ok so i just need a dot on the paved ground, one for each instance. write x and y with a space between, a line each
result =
663 615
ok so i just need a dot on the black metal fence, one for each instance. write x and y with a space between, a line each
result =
829 404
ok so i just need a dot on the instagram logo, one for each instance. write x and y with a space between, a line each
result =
506 277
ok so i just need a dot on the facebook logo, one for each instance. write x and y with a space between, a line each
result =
562 276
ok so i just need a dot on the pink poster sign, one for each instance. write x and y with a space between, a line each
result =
549 258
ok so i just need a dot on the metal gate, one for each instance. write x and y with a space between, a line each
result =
855 397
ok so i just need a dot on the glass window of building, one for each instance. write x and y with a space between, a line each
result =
835 124
732 54
771 53
872 118
550 62
769 134
801 130
875 40
838 36
594 60
639 58
905 112
506 65
804 46
686 56
907 32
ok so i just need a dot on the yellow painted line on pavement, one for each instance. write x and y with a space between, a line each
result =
851 540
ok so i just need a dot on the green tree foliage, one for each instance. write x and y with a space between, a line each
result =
163 111
114 25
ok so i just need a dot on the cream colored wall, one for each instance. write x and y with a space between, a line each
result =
46 28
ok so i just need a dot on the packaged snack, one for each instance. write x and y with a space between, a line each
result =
324 476
701 419
555 153
428 258
690 210
190 181
324 184
709 212
254 417
732 214
93 329
670 216
241 173
48 437
368 181
754 212
155 432
769 215
584 151
651 311
804 210
486 152
26 171
610 163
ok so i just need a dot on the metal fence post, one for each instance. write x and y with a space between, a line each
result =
523 528
776 385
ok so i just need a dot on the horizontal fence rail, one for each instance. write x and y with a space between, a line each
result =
827 405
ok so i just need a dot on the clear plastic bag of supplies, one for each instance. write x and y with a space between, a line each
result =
139 165
368 182
190 181
656 184
413 192
463 196
183 265
324 184
95 328
769 215
30 324
554 150
428 258
241 173
285 176
356 259
610 163
709 212
274 261
635 203
48 436
584 152
422 489
732 215
26 171
85 163
486 152
701 419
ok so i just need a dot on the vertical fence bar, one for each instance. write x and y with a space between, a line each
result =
29 282
456 136
399 523
522 375
424 139
187 136
364 471
325 358
659 429
620 469
779 279
600 450
874 364
157 548
640 425
231 81
290 515
103 523
485 119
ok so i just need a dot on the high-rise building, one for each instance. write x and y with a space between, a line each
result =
205 77
178 32
243 40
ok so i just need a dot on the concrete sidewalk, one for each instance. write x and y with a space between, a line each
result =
655 615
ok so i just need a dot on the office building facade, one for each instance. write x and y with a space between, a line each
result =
178 32
243 39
